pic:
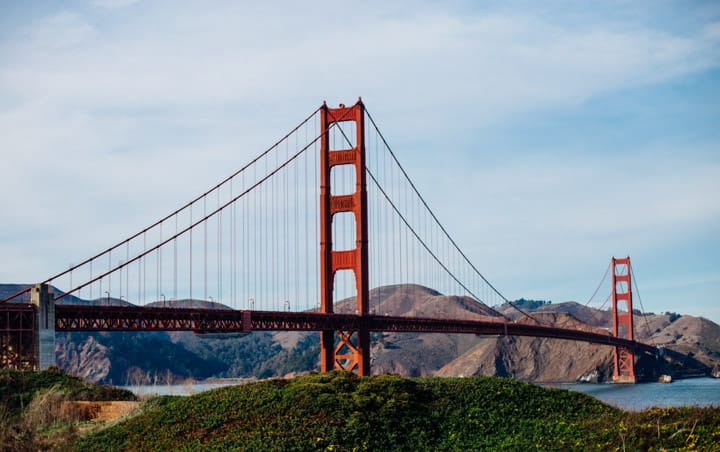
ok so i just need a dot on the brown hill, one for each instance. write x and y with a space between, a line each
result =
530 359
546 360
412 300
533 359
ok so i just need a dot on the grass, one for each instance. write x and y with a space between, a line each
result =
17 388
344 412
340 411
31 411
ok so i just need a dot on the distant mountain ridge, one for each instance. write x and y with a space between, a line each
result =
176 356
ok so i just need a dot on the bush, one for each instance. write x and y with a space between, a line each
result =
341 411
33 415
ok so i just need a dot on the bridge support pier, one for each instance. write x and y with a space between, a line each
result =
41 297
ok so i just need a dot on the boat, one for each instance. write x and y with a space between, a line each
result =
665 379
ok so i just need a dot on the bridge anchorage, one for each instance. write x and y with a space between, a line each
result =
283 246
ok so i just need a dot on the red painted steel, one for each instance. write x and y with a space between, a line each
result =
116 318
135 318
344 349
624 357
17 336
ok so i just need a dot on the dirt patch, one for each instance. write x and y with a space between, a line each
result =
97 411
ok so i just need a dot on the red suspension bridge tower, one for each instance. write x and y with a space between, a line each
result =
622 314
352 349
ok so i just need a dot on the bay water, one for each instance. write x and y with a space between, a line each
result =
687 392
641 396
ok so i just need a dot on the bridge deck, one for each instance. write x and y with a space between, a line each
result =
124 318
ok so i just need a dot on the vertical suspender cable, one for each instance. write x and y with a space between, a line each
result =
309 276
286 232
231 297
175 256
406 208
275 237
266 254
205 250
91 278
127 273
109 275
190 256
139 283
386 237
219 252
144 259
296 231
158 275
257 226
246 246
316 164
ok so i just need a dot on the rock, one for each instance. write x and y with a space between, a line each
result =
715 373
87 360
592 376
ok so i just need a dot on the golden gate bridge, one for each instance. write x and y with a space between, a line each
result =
294 240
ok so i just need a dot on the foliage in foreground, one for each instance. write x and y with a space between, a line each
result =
31 413
340 411
17 388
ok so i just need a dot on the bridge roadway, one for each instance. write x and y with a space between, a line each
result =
135 318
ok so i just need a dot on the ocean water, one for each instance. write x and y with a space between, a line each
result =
181 389
688 392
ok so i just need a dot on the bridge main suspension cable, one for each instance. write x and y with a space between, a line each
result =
246 242
410 218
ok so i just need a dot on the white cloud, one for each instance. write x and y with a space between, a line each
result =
85 108
580 211
114 4
491 64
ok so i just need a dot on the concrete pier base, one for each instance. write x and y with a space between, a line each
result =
42 298
624 379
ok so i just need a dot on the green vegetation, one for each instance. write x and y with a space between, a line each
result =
530 305
18 388
340 411
344 412
255 354
31 413
154 353
142 358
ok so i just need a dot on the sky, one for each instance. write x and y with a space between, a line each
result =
547 136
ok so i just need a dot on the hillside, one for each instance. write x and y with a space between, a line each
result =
135 358
341 411
45 410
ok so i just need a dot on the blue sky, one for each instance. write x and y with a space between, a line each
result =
548 136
